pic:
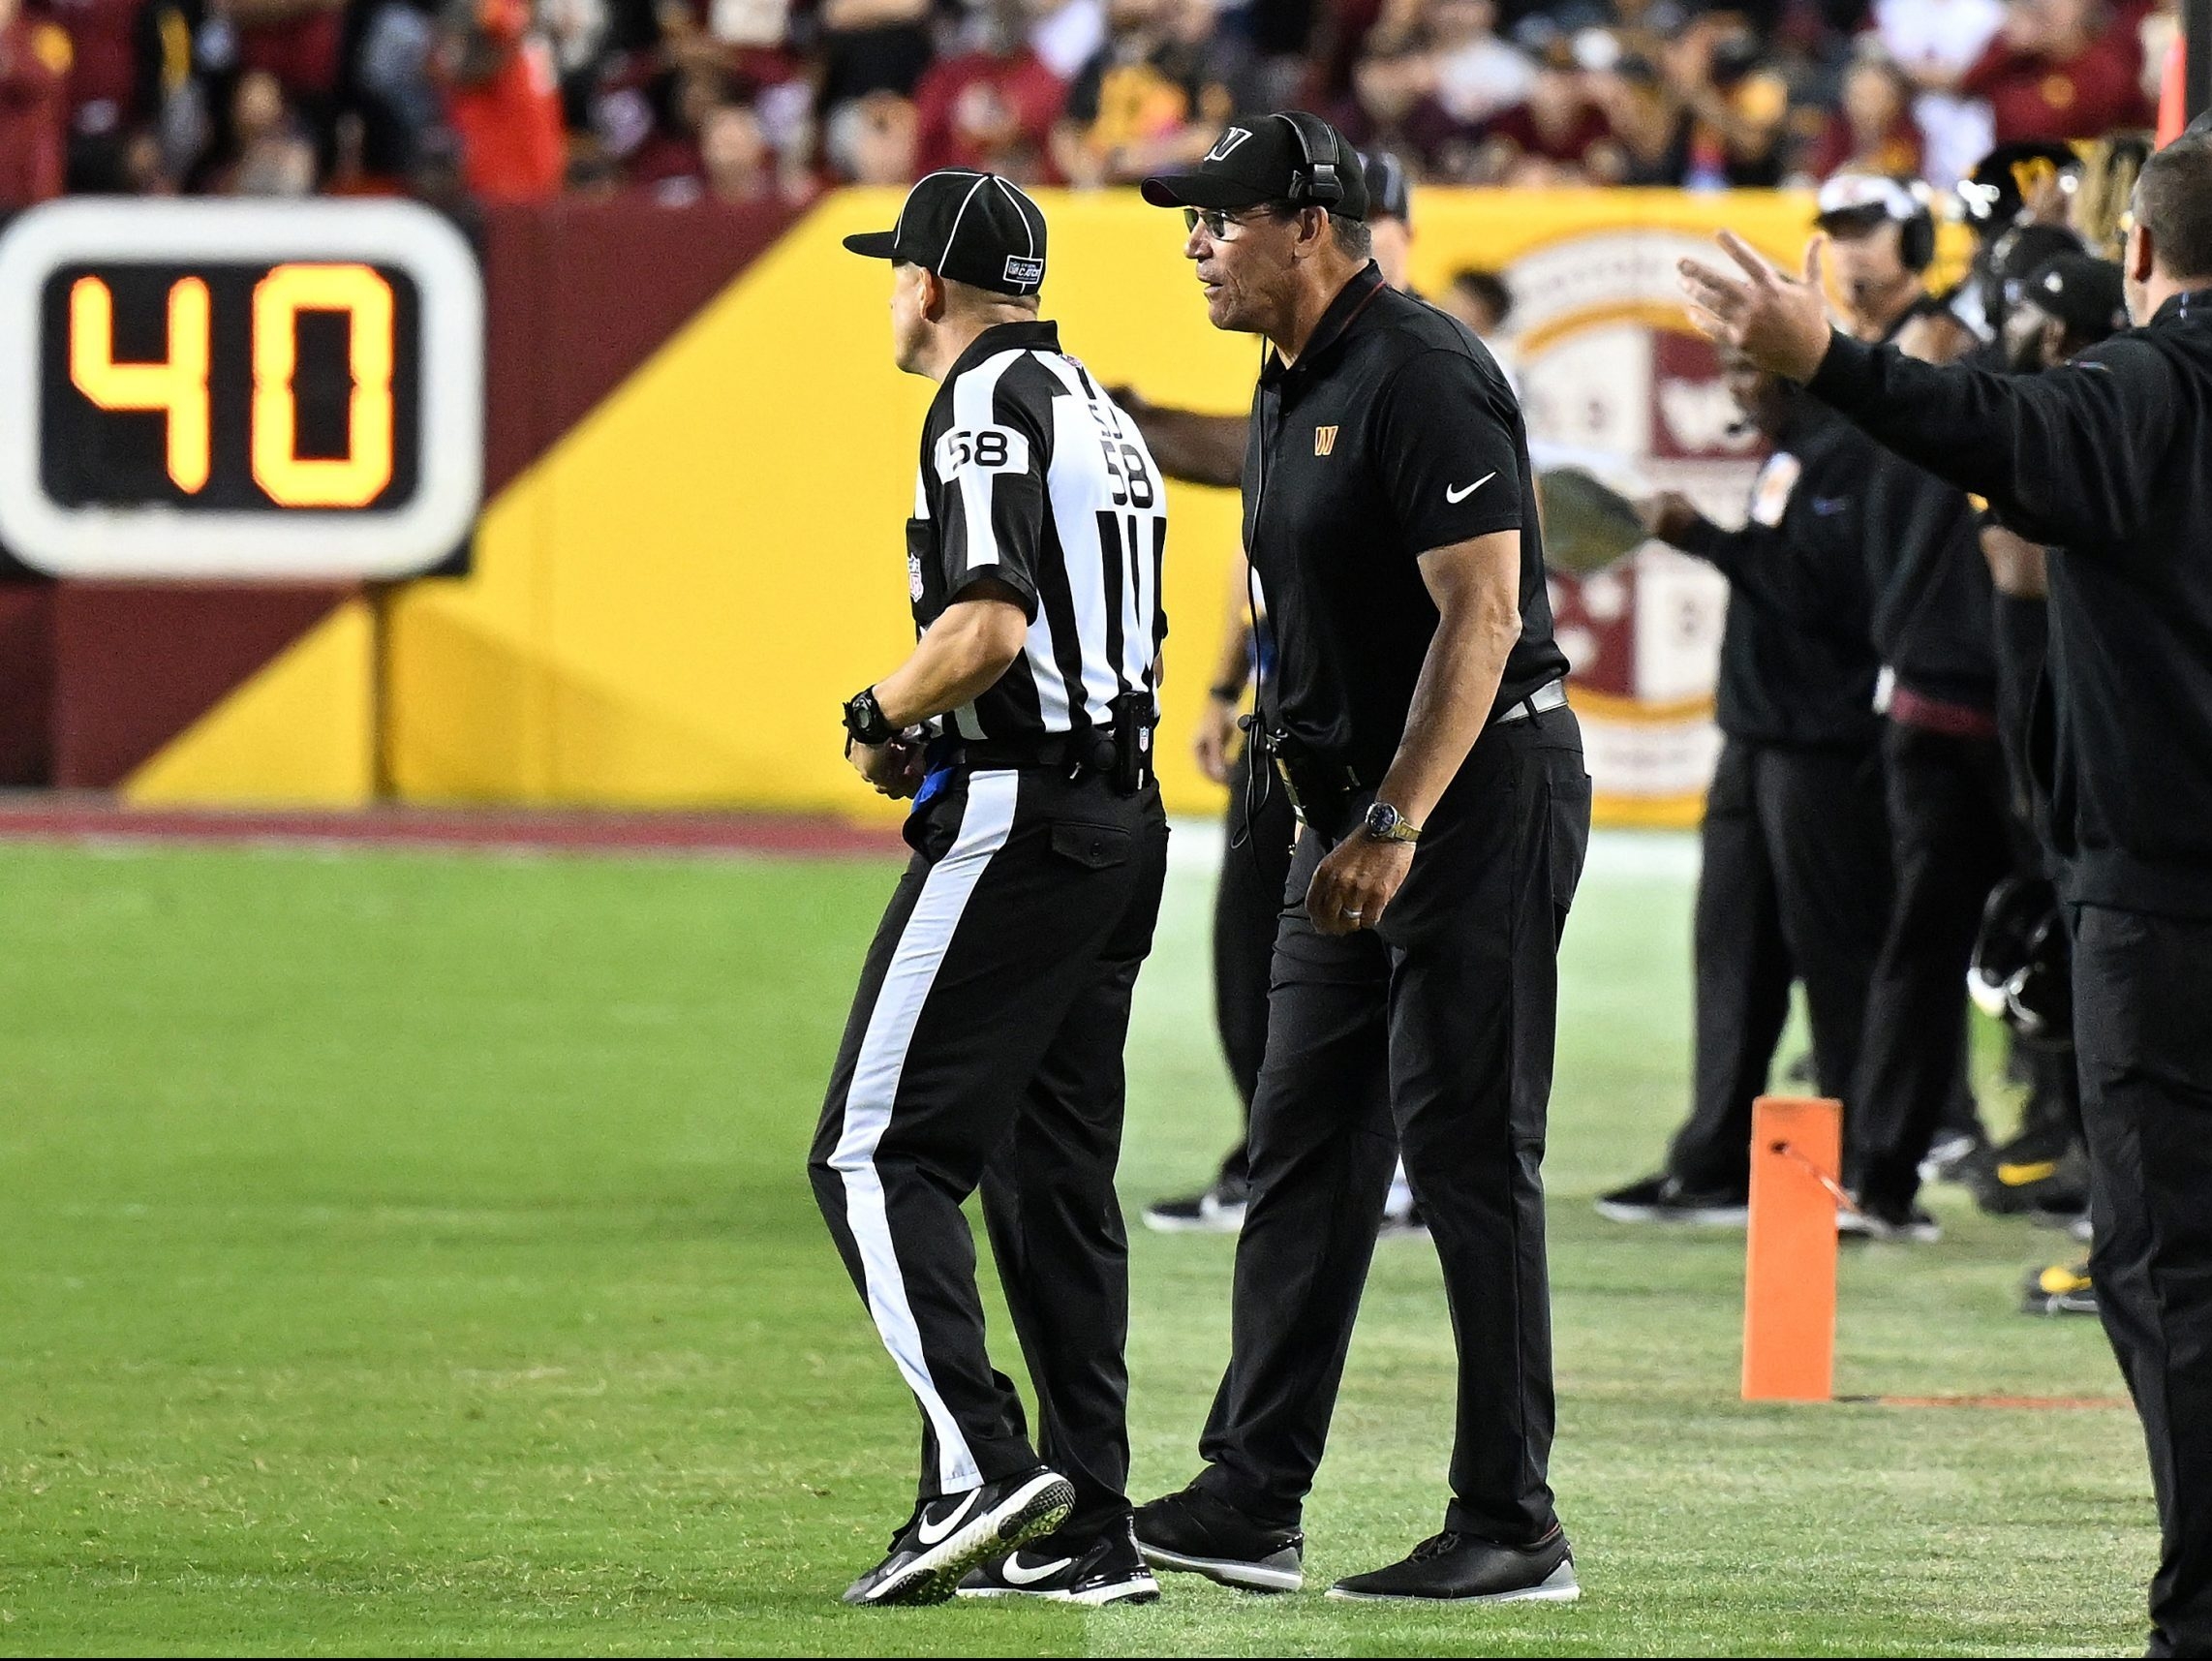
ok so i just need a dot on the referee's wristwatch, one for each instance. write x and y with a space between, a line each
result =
864 721
1385 823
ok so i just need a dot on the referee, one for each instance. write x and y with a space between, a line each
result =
985 1042
1418 713
2109 461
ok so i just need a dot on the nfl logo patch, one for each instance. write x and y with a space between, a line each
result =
1024 270
1324 439
914 577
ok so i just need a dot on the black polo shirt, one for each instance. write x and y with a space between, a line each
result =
1393 433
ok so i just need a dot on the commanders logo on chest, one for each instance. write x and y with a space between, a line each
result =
1324 439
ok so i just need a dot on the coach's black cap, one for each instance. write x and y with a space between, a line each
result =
1267 160
2083 292
968 228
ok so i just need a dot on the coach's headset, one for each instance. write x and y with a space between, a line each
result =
1904 204
1316 183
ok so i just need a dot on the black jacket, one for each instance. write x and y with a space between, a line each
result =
1797 658
2109 460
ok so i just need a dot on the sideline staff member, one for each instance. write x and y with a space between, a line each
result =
985 1042
2110 461
1418 708
1794 879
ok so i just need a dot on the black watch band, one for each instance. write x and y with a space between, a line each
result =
864 719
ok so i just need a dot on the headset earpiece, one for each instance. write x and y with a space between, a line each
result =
1316 182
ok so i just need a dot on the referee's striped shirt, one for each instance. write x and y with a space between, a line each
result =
1030 476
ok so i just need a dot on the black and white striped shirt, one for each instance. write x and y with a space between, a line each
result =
1030 476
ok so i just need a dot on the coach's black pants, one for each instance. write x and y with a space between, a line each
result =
1794 885
1255 864
1443 1018
985 1046
2141 988
1954 838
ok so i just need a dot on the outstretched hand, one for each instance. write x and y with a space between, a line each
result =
1779 323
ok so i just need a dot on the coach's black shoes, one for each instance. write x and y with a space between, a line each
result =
1106 1570
1664 1199
949 1536
1460 1568
1193 1533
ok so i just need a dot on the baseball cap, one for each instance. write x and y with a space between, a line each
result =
1994 193
1390 190
1859 201
1263 161
968 228
2083 292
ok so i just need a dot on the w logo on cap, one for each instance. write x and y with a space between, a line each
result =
1228 143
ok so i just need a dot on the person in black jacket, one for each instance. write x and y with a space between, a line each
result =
1795 880
2108 461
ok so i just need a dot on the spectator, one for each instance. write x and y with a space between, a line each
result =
1557 136
1935 43
296 43
991 106
1151 99
502 99
144 166
1731 110
2056 70
871 141
737 165
33 108
1874 132
1640 113
270 153
102 87
1473 74
873 46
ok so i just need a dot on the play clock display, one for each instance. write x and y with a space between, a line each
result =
238 388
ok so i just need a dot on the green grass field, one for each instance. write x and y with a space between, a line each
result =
413 1253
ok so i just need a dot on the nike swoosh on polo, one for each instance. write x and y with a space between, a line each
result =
1018 1575
931 1533
1455 497
1826 506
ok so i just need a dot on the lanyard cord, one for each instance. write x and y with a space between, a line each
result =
1259 762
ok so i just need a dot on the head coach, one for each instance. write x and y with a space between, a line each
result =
985 1042
2109 461
1418 715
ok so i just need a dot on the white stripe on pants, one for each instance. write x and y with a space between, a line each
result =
988 819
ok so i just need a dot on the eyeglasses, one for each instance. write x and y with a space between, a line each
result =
1217 222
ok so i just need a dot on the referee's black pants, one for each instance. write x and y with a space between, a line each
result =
1955 837
1443 1018
985 1047
1794 884
2141 989
1248 900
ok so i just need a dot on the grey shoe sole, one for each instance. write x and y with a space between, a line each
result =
1030 1511
1686 1216
1132 1591
1279 1573
1858 1225
1226 1221
1558 1586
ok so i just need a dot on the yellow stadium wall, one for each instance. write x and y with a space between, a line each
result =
667 607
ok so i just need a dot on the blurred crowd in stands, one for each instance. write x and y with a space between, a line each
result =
747 100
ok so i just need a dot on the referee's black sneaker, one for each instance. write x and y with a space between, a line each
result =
1193 1533
948 1536
1218 1210
1664 1199
1462 1568
1106 1570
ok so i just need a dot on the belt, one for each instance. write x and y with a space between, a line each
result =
1550 695
1092 750
1325 787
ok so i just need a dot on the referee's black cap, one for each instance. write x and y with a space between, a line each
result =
966 227
1291 157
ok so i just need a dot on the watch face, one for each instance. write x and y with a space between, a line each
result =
1382 819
